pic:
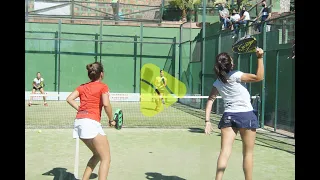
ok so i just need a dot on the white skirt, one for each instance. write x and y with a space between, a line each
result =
87 128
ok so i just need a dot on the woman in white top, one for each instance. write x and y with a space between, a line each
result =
244 17
38 85
238 114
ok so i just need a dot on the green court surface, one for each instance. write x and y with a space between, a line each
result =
158 154
168 146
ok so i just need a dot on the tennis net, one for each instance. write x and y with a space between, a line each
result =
138 111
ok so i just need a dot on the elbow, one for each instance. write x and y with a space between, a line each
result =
259 79
68 100
106 105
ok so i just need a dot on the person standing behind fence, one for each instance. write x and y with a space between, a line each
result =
115 9
265 15
238 114
38 85
93 96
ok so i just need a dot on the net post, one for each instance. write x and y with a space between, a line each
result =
135 48
276 95
56 42
101 26
203 47
263 85
76 159
96 47
59 59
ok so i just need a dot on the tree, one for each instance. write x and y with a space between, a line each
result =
184 5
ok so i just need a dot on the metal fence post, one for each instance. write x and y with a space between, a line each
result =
59 60
140 64
263 85
100 38
203 48
277 93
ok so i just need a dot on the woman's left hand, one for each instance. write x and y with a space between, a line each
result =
208 128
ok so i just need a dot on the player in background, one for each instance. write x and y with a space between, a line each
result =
160 85
38 85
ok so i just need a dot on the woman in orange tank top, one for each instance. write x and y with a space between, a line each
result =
94 96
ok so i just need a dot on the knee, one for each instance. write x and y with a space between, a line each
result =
106 159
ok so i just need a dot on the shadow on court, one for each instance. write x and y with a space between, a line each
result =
196 130
159 176
62 174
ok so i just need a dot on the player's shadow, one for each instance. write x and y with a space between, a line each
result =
159 176
196 130
62 174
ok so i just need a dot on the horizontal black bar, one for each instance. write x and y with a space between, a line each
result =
41 32
116 41
107 35
95 54
70 18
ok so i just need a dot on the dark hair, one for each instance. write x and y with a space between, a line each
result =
94 70
223 66
242 12
161 70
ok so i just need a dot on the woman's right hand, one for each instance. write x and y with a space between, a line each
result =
112 123
259 53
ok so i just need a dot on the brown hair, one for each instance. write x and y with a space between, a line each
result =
94 70
223 66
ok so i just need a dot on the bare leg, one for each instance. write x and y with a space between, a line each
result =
31 98
161 96
44 98
228 135
92 163
101 146
157 100
248 137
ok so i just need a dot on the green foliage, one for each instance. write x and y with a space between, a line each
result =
184 4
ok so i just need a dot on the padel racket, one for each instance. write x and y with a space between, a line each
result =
247 44
118 117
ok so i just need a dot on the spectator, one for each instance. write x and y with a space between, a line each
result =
224 15
264 14
244 18
234 18
115 9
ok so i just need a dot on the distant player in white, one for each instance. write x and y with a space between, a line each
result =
38 85
238 115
